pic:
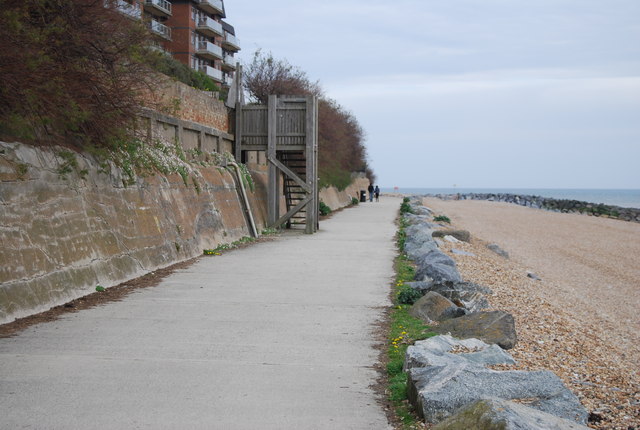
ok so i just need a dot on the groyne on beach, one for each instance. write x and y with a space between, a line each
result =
551 204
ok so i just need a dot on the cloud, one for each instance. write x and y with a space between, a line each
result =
532 93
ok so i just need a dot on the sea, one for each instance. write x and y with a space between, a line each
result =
626 198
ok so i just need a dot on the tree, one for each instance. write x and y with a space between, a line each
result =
267 75
341 148
71 71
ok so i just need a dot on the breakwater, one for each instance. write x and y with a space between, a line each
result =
551 204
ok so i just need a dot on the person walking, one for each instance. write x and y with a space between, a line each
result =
370 189
376 191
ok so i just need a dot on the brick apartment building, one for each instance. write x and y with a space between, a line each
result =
192 31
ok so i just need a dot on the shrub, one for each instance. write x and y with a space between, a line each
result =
169 66
442 218
407 295
324 209
405 208
354 201
72 71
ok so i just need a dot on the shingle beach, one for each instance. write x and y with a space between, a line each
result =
581 319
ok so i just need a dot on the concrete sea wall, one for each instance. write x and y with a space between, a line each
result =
63 236
336 199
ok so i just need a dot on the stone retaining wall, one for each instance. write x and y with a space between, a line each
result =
61 237
190 104
556 205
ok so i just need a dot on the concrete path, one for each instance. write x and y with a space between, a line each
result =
278 335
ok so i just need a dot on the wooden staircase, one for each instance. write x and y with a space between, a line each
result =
294 193
287 130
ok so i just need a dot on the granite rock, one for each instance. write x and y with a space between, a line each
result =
462 235
438 391
435 307
492 327
438 267
496 414
469 295
437 351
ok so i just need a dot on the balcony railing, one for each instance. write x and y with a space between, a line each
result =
211 6
132 10
160 29
209 50
158 7
229 62
214 74
228 80
209 26
231 42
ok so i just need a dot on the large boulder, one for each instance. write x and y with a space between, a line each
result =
492 327
462 235
415 248
435 307
418 209
422 286
438 391
437 267
496 414
412 219
443 349
419 233
469 295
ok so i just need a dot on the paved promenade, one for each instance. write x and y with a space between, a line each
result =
278 335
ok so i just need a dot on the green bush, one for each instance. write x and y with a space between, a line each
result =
354 200
168 65
405 208
324 209
407 295
442 218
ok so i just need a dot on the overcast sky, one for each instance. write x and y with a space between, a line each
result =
476 93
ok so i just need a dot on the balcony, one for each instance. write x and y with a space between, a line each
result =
209 50
229 63
214 74
158 7
211 6
132 10
160 29
228 80
230 42
209 26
